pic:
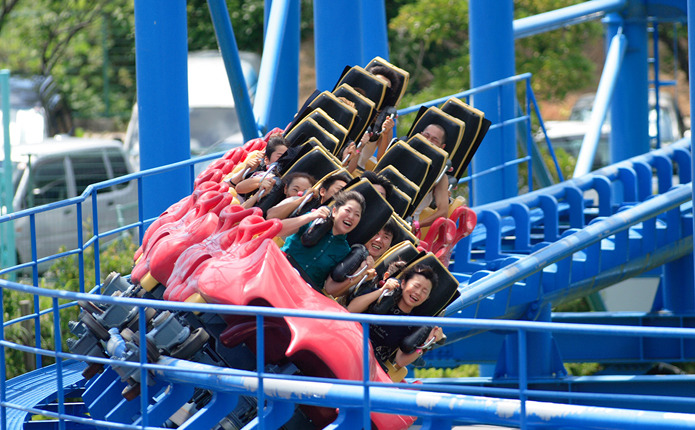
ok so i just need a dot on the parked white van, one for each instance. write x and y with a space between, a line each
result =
213 116
62 168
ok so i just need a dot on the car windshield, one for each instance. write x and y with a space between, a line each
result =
210 125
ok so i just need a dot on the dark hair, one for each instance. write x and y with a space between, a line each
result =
273 143
379 180
420 269
343 197
391 226
287 179
441 127
386 72
340 176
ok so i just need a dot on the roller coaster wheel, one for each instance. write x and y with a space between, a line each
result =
91 371
90 307
131 392
94 326
192 344
152 350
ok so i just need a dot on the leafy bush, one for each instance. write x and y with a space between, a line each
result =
62 275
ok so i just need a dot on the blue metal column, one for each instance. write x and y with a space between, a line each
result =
7 247
374 24
338 34
492 58
542 356
629 108
285 93
232 64
691 72
161 52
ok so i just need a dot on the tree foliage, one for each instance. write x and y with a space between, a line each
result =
89 46
430 39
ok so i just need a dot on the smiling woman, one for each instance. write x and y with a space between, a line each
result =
398 298
316 258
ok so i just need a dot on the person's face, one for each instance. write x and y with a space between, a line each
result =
332 190
275 156
346 217
296 186
377 245
380 189
415 291
435 135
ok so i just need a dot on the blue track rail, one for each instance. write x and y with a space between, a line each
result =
527 255
547 246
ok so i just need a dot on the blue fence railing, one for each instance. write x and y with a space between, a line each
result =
443 409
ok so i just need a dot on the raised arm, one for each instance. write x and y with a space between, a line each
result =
291 225
360 303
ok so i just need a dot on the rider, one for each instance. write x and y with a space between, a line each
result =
398 298
316 261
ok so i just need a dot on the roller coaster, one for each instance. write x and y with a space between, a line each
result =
206 364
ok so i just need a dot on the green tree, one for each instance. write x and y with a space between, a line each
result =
430 39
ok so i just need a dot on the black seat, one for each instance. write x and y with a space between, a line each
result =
340 112
476 128
444 293
360 79
328 123
365 110
404 231
399 181
398 77
376 214
453 127
437 166
402 251
307 128
410 163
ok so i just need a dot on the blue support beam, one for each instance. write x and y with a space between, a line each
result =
629 108
691 72
337 39
278 86
7 246
161 52
606 87
230 54
575 14
492 58
347 33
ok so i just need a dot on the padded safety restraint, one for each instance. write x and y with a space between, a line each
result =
308 128
476 128
445 291
358 78
376 214
397 90
365 110
438 157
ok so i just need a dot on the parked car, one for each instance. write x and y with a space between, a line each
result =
62 168
568 136
213 117
671 123
37 110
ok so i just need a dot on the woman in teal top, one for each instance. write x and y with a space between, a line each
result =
318 261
